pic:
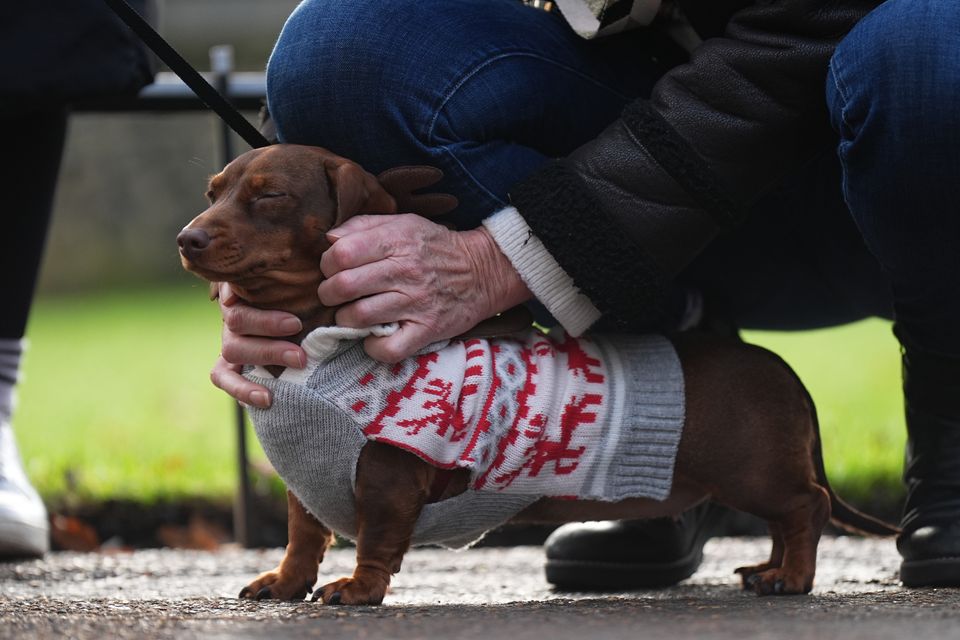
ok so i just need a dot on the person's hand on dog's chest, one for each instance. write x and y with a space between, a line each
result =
435 282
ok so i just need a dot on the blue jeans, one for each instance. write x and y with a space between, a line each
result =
487 90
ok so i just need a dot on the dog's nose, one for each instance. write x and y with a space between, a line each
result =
192 241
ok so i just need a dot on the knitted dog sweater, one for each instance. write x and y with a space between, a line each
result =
530 417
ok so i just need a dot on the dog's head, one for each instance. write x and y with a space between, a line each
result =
270 210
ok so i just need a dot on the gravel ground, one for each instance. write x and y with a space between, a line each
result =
480 593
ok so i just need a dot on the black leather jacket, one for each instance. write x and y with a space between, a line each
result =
626 212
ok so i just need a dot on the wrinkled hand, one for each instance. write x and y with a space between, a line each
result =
435 282
244 341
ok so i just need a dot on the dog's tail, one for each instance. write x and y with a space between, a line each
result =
842 514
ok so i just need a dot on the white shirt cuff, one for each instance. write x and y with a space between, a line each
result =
545 278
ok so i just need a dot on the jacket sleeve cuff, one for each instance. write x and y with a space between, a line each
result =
545 278
619 277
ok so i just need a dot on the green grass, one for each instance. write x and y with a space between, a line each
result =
853 374
116 400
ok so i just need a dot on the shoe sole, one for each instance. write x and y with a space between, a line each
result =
21 540
585 575
936 572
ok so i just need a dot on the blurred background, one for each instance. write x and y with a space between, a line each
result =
117 415
129 180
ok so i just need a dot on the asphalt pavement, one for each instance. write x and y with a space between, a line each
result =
481 593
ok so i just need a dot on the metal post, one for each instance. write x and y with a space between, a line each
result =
242 501
221 64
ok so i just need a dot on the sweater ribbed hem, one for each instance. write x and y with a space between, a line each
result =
640 461
542 274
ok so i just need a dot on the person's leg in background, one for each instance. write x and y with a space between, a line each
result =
38 141
487 90
895 100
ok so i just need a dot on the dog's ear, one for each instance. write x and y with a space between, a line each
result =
355 190
401 182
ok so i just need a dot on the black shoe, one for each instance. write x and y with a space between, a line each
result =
630 554
930 542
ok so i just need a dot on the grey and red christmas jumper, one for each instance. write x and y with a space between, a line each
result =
534 416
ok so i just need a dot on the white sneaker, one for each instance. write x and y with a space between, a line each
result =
24 529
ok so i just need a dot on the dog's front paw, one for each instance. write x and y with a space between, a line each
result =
353 591
279 585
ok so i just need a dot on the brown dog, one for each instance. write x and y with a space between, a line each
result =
265 232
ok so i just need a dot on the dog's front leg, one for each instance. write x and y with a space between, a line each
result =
391 489
308 540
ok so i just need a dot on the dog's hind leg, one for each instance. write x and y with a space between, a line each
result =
800 526
748 573
308 540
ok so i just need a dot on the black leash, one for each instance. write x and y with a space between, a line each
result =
204 90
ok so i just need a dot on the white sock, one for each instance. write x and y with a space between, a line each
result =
10 352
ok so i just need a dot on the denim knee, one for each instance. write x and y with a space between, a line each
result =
485 90
899 67
368 78
893 91
342 68
326 74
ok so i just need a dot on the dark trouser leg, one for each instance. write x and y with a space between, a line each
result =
37 144
895 99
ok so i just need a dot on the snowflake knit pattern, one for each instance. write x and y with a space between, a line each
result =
530 417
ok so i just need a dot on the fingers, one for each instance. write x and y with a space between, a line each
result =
241 350
248 321
379 309
353 251
351 248
229 378
248 332
356 283
356 224
226 295
407 340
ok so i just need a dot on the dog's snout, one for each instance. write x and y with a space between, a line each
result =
192 241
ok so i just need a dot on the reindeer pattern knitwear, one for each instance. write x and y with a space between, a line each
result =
532 416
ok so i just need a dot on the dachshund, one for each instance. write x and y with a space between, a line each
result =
750 438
